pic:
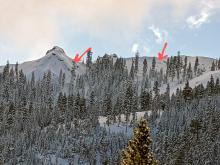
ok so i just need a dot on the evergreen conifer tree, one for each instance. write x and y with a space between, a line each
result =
184 68
189 72
219 64
139 150
217 86
144 67
153 66
213 66
132 71
196 65
89 59
187 92
136 62
195 126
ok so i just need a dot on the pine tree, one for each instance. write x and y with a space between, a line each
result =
189 72
128 99
156 89
107 107
217 86
153 66
168 69
144 67
145 101
139 150
6 83
72 78
16 70
76 106
195 126
179 60
201 91
10 115
178 67
187 92
61 103
167 95
82 108
196 66
173 68
219 64
11 84
185 68
136 62
213 66
89 59
92 110
132 71
211 86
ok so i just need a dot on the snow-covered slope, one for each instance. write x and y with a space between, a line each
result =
203 79
205 63
54 60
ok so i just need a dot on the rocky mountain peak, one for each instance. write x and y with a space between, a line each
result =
56 50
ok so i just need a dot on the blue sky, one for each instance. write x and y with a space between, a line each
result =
29 28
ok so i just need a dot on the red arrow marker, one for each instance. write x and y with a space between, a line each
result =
161 55
79 58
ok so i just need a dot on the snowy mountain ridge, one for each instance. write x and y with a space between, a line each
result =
56 60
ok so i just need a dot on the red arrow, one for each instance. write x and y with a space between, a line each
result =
79 58
161 55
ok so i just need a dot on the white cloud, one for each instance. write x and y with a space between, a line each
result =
195 21
146 49
34 24
161 35
135 47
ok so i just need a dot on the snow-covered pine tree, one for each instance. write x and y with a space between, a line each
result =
167 95
189 72
16 70
217 86
139 148
156 91
89 59
185 68
153 66
219 64
72 79
10 116
132 71
196 66
136 62
187 92
144 67
145 101
173 68
92 111
213 66
211 86
195 127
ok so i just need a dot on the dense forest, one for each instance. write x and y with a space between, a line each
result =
52 121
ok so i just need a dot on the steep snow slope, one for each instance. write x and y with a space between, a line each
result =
54 60
205 63
203 79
